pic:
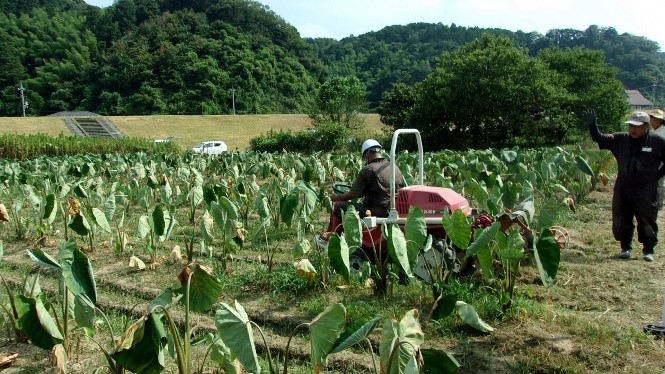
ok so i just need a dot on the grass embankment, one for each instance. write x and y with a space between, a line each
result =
235 131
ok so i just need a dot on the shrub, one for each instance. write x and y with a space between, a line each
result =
325 137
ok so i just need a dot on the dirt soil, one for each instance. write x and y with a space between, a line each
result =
590 322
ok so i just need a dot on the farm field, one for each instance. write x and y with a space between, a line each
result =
590 320
236 131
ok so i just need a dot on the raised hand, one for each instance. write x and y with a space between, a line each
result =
590 115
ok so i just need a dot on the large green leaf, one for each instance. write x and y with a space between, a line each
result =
338 252
583 166
397 248
356 332
225 214
484 239
548 256
80 225
470 317
84 311
235 330
352 227
50 208
143 227
207 227
141 347
477 192
229 207
209 195
110 205
325 329
438 362
548 214
170 221
262 208
443 306
289 206
195 195
406 336
222 356
484 256
158 220
165 191
204 290
415 233
77 271
100 219
508 156
457 228
36 322
43 259
509 193
309 198
80 191
301 248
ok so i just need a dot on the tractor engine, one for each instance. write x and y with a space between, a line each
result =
433 200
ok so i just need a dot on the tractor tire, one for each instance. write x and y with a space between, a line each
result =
439 258
357 260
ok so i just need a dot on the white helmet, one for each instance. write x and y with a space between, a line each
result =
369 143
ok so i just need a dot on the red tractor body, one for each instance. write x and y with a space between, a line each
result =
433 201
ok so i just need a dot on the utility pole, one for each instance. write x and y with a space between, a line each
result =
233 99
21 89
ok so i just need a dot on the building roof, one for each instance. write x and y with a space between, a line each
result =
635 98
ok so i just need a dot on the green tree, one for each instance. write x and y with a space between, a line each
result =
340 100
490 93
396 106
590 84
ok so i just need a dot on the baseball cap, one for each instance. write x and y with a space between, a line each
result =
638 119
657 113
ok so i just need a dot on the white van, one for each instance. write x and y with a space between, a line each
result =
213 147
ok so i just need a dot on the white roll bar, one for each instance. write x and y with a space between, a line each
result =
392 215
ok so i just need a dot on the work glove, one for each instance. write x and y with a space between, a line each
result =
590 115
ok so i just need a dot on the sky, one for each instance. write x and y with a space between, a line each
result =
342 18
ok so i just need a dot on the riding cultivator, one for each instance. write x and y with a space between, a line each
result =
442 235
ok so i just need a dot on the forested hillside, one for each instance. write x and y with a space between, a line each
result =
407 54
203 56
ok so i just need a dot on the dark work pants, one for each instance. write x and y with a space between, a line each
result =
640 203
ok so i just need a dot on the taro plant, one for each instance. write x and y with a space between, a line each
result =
505 242
271 193
263 210
77 299
193 200
400 348
86 218
225 216
29 288
19 213
142 346
388 260
47 212
155 229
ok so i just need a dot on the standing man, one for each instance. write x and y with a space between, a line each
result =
639 157
657 117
